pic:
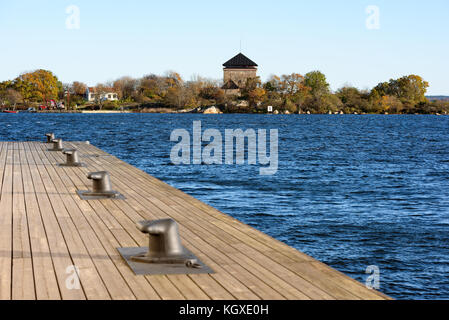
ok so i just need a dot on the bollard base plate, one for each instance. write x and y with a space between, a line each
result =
74 165
89 195
55 150
142 268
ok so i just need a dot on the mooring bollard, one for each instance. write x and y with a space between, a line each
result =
164 238
101 182
165 253
72 159
50 137
101 187
165 244
57 145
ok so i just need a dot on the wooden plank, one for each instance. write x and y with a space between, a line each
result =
46 285
87 246
22 266
189 289
61 257
3 151
6 224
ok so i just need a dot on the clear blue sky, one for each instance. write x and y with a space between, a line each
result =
137 37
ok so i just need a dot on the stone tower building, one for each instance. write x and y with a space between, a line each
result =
236 72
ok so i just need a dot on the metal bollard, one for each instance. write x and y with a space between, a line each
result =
50 137
101 188
165 245
165 253
57 145
101 182
72 159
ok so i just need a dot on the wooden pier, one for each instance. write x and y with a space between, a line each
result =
45 228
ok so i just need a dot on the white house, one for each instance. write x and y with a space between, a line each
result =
108 95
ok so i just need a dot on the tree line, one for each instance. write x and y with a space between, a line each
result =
293 93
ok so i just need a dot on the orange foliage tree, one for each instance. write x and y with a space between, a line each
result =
40 85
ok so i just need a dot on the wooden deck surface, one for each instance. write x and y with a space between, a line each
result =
45 228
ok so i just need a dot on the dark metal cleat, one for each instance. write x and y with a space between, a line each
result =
72 159
57 145
101 189
165 253
50 137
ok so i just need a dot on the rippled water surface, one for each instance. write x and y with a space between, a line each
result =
351 191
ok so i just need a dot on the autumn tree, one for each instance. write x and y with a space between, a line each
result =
256 96
205 91
11 97
213 93
253 92
294 90
100 91
353 99
175 97
152 87
291 84
26 89
287 92
391 104
4 86
79 88
40 85
273 94
173 79
125 87
410 90
175 91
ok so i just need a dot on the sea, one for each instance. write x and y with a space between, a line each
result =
357 192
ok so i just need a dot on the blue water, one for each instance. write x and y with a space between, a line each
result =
351 191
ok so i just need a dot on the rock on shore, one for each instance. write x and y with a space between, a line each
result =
212 110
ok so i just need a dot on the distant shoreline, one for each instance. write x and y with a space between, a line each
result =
99 112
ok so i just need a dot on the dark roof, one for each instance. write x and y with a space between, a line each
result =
240 61
230 85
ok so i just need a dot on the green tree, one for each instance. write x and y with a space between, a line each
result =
320 99
317 82
353 99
